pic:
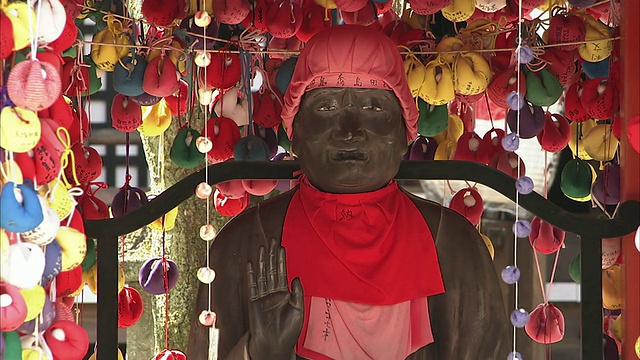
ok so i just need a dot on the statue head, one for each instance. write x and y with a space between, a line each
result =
349 111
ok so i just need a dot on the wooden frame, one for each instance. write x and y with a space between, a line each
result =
590 229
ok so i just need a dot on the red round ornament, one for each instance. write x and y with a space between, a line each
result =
469 148
509 163
229 207
555 134
544 237
130 307
224 134
566 28
126 114
67 340
34 85
170 355
546 324
284 18
468 203
231 12
223 72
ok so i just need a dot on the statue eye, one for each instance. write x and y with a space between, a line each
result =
330 107
371 107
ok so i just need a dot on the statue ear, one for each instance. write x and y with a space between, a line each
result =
293 145
292 148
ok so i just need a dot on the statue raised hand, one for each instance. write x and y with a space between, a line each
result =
275 313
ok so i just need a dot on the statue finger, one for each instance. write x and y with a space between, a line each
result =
251 282
272 269
262 273
297 295
282 270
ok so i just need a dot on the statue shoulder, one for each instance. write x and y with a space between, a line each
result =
430 210
252 227
442 220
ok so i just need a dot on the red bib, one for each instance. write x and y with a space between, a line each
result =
373 248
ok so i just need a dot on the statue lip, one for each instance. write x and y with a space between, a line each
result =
350 155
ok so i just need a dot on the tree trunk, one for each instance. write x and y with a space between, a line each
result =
182 244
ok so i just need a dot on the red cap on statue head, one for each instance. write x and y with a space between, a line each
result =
350 56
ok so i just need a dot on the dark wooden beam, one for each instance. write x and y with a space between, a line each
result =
591 298
107 258
625 221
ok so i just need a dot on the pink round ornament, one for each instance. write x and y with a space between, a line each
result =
207 232
207 318
544 237
546 324
204 144
170 355
203 190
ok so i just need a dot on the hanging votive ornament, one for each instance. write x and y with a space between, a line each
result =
510 275
515 356
203 190
202 18
522 228
526 54
511 142
524 185
519 318
515 101
206 275
202 59
204 144
207 232
207 318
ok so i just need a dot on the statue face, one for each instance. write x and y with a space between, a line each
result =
349 140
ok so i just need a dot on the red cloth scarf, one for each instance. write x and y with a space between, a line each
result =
372 248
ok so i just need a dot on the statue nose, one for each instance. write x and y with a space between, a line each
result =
349 125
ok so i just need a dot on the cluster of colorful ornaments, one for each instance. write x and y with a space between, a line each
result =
464 59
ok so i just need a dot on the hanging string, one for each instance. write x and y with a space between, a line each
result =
245 63
165 277
486 99
67 158
517 198
297 52
212 348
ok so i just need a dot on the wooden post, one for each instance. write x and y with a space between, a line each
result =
107 339
630 164
591 297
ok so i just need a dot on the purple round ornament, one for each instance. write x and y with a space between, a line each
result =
526 55
151 276
519 318
510 275
515 101
522 228
515 356
423 149
606 189
511 142
524 185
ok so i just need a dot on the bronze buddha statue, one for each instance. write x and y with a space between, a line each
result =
348 265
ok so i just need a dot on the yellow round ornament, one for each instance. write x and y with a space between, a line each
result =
489 245
156 119
12 171
58 198
20 129
34 298
611 288
169 221
74 247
